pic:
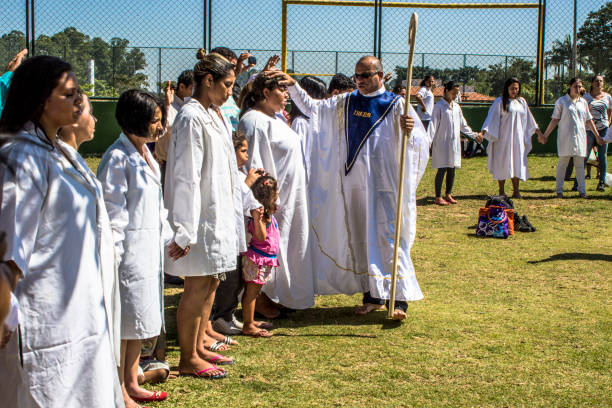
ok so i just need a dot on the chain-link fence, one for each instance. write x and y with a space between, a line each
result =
116 45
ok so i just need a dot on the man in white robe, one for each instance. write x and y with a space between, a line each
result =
353 192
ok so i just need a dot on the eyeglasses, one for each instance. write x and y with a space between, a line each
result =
365 75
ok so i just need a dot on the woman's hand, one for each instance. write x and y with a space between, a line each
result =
240 67
175 252
272 61
284 79
253 175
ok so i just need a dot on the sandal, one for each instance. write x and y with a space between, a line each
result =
219 357
200 374
157 396
229 341
216 346
259 333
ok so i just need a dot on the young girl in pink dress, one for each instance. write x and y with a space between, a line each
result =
261 257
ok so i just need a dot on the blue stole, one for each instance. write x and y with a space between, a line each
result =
362 115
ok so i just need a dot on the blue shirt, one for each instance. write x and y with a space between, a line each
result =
5 82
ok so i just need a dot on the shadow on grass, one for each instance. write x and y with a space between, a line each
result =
334 316
575 256
543 178
430 200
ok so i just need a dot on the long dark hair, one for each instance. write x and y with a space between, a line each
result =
31 86
264 190
426 78
506 93
314 87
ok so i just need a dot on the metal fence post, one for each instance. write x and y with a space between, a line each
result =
506 68
293 60
336 67
159 68
33 50
27 24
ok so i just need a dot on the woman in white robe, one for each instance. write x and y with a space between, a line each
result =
54 217
276 148
131 180
305 125
572 114
447 123
425 99
509 127
204 200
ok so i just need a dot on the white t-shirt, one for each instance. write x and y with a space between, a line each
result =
571 134
599 109
428 101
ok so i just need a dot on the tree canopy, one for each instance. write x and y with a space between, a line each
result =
117 65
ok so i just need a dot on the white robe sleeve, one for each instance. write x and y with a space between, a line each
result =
529 124
492 123
464 127
303 101
436 116
189 153
113 178
24 188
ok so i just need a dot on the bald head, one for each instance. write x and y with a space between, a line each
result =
370 62
368 74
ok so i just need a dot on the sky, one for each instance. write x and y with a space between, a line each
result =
321 30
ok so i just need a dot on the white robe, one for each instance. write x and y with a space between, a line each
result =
54 216
133 197
571 131
304 127
276 148
444 132
203 193
353 216
509 135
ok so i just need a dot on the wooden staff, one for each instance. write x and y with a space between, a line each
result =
412 30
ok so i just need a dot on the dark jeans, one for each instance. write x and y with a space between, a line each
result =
399 304
450 179
602 152
226 296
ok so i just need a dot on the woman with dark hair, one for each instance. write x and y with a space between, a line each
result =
447 122
572 115
425 99
275 147
508 128
131 181
204 200
59 239
600 106
302 124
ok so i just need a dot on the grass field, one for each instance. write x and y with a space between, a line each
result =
505 323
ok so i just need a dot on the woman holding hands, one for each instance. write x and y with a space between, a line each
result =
572 115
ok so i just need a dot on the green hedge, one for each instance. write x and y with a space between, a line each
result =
107 129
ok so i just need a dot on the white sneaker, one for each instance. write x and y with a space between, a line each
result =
228 328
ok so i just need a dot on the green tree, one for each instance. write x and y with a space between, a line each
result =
595 40
117 65
10 44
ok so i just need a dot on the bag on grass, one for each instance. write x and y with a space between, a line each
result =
494 222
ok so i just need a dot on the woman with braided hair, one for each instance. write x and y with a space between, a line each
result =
204 200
